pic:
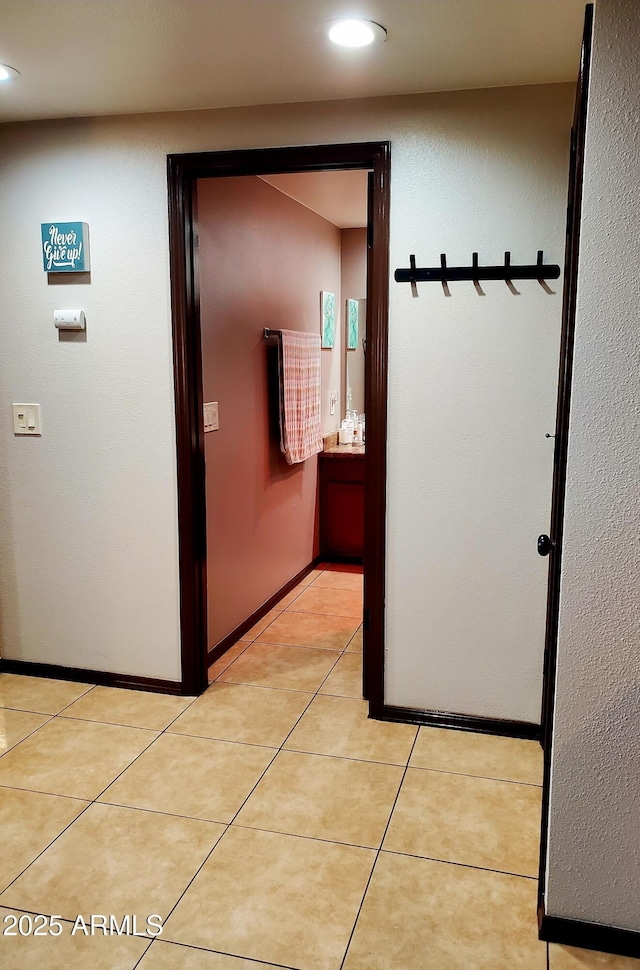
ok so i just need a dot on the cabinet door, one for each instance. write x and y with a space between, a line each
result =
344 525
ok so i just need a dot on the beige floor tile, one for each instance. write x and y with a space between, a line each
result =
132 708
473 821
15 726
310 577
29 822
277 898
484 755
261 625
116 861
163 955
570 958
38 694
292 595
333 580
310 630
227 659
75 758
252 715
345 680
196 777
340 726
423 915
280 666
355 645
324 798
66 952
334 602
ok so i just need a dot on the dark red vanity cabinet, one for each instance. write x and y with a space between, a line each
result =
341 473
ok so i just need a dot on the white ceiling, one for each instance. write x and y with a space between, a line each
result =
97 57
339 197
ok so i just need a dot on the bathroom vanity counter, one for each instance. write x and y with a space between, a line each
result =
343 451
341 478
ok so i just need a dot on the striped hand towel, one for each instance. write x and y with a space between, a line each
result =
300 431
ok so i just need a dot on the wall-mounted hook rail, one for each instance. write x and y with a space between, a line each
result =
451 274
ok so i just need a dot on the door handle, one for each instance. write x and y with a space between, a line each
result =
545 545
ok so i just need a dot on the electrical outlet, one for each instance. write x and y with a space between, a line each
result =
211 416
26 419
333 400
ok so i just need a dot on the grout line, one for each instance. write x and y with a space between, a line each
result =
461 865
49 794
47 847
466 774
204 949
307 838
342 757
375 861
294 646
94 720
339 616
243 683
49 717
190 883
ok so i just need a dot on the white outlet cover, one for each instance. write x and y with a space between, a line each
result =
211 416
26 419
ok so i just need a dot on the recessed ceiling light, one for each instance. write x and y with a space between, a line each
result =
356 33
8 73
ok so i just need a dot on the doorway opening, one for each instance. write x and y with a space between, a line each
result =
184 173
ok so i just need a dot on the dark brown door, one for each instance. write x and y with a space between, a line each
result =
551 545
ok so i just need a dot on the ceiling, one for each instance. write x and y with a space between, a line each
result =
340 197
99 57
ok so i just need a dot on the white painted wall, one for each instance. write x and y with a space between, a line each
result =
89 541
594 835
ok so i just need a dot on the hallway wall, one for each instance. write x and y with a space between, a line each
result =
88 531
263 260
593 870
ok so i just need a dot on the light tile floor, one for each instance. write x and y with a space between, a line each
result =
269 822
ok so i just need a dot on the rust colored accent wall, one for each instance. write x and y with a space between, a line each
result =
263 259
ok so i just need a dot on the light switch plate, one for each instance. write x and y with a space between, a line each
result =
211 416
26 419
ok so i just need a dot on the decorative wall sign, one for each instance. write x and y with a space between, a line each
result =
65 247
352 324
328 319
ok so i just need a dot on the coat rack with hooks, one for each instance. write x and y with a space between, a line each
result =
449 274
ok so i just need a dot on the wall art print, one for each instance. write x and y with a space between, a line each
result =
65 247
328 319
352 324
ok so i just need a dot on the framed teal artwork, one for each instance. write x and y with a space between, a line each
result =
65 247
328 319
352 324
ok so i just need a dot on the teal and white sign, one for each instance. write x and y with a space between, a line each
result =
65 247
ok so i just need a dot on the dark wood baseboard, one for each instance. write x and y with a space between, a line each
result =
101 677
345 560
459 722
588 936
214 653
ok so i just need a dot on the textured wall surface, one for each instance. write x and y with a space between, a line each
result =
88 564
594 836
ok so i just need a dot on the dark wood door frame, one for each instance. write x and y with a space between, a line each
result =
183 173
572 252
